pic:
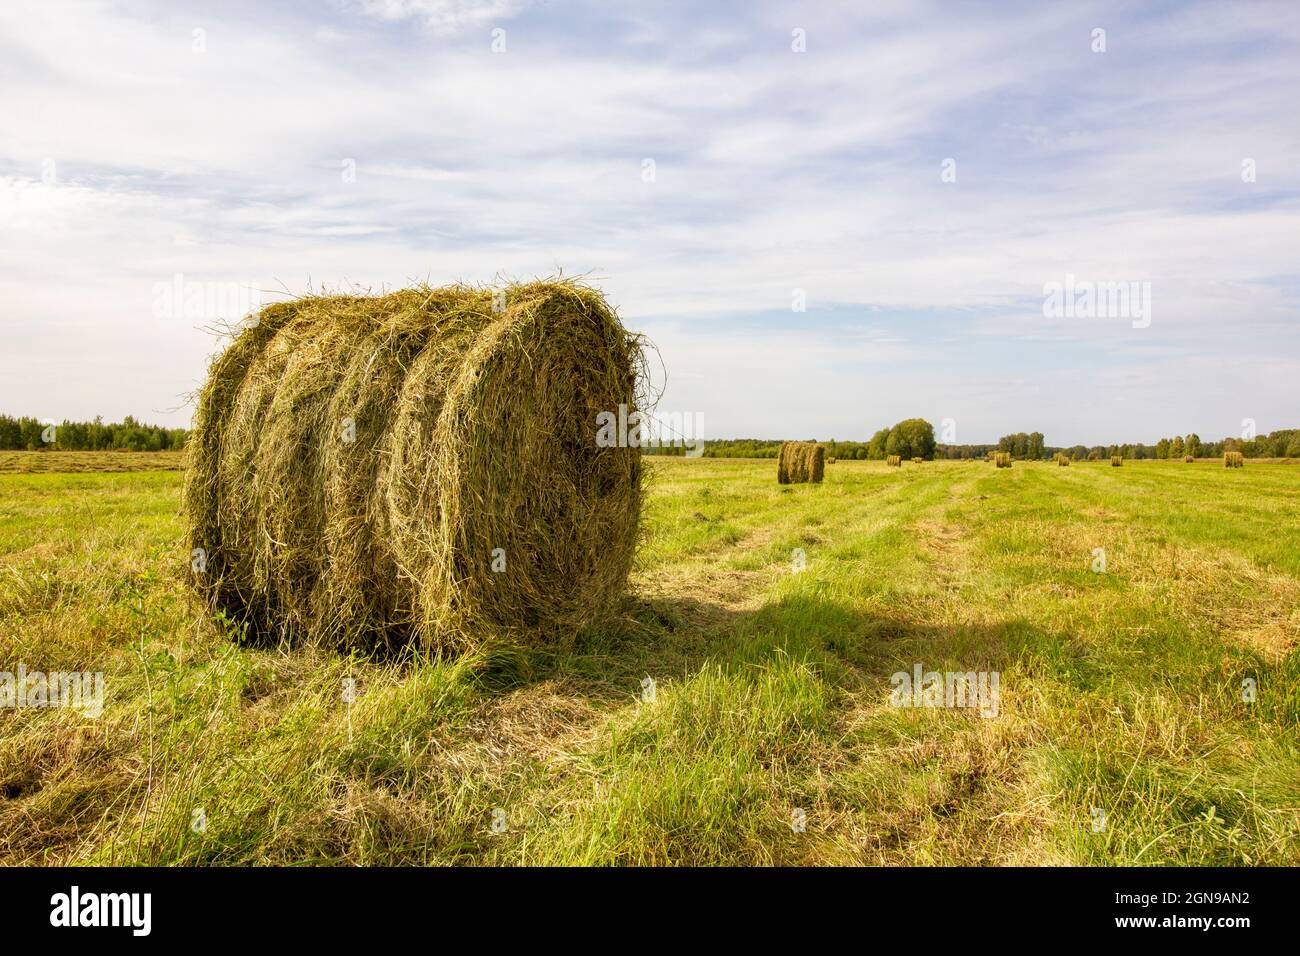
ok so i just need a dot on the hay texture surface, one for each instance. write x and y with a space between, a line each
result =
799 462
417 468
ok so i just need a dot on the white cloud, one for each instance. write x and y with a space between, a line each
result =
445 16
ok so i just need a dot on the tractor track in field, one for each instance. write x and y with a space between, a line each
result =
944 543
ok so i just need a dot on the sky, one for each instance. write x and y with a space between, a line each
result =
827 219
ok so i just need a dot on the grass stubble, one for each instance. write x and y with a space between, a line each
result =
1120 691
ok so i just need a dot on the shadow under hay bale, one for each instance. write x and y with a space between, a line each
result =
418 468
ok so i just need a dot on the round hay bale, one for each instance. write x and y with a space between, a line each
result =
419 468
799 462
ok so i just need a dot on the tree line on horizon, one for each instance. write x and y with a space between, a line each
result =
910 438
914 438
31 434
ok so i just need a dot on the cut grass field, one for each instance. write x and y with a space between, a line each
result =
80 462
1121 692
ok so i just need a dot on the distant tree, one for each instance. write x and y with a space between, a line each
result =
11 434
1176 447
912 438
877 449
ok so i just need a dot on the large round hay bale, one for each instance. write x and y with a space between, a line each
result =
422 467
799 462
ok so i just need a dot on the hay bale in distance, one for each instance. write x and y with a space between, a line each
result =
1188 459
1002 459
1062 460
917 460
1234 459
418 468
894 461
1116 461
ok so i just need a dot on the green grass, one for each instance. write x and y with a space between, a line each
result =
1120 692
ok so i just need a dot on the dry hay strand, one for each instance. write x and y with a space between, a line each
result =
799 462
1116 461
1234 459
417 468
894 461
